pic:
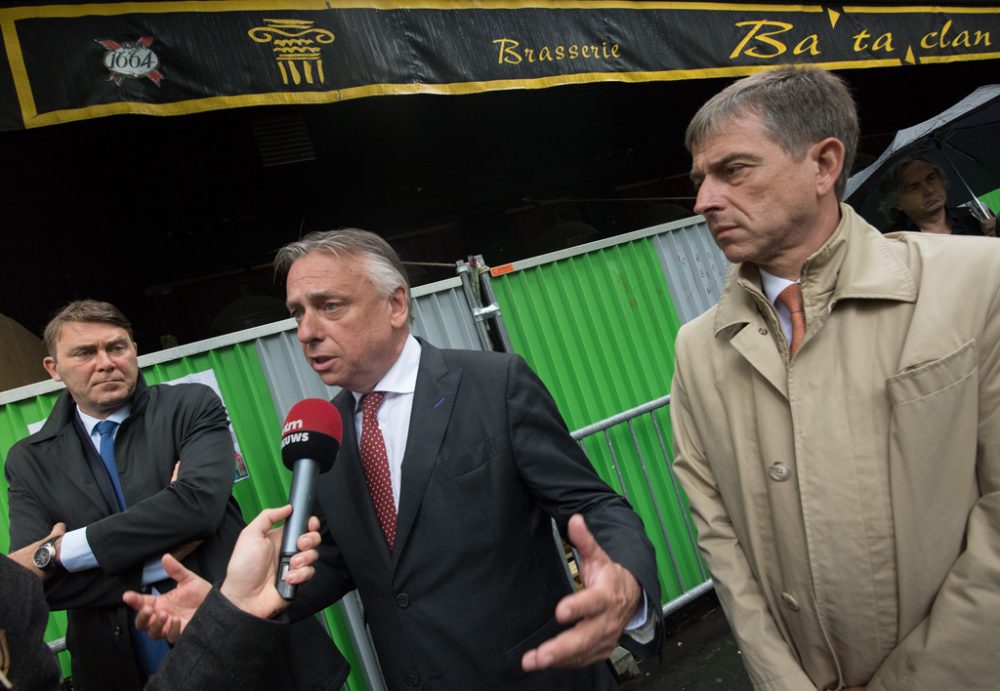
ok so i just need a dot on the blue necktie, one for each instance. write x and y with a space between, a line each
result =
149 652
106 428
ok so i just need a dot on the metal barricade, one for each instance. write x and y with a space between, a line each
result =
629 419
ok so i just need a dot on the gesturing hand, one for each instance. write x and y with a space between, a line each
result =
601 610
165 616
249 580
989 226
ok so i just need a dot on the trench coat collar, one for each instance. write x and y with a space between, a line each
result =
856 262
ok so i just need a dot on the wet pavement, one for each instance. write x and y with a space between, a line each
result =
699 654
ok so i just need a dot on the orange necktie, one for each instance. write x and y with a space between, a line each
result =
791 297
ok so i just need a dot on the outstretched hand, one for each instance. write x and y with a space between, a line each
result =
989 226
249 580
165 616
601 610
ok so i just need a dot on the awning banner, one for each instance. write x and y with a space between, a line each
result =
73 62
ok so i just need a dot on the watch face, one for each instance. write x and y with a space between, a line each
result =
44 555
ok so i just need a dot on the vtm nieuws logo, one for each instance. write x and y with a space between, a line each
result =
291 425
294 438
132 59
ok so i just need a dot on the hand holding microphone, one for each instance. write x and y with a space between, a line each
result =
310 441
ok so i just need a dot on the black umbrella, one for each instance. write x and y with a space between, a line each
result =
963 140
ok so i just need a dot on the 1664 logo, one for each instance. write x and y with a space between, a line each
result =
132 59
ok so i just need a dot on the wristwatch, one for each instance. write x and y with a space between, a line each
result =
45 555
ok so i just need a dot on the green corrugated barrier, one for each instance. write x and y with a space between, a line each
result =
258 428
599 330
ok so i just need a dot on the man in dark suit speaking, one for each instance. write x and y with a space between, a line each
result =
437 509
133 471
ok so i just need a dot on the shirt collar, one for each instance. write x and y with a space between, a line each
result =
857 261
89 423
402 376
773 285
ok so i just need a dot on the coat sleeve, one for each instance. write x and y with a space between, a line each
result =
954 646
222 648
564 482
32 518
24 656
769 660
191 507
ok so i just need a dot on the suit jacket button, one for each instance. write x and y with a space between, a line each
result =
779 472
403 600
412 680
117 632
790 602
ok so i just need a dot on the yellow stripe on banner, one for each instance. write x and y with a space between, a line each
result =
453 89
938 59
18 71
214 6
934 9
110 9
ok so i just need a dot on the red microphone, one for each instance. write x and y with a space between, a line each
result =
310 441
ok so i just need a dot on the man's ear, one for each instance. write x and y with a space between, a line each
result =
49 363
399 299
829 156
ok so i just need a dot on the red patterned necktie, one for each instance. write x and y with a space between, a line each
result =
791 297
375 461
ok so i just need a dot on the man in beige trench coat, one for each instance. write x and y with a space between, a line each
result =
847 497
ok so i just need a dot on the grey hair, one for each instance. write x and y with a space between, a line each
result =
892 184
799 106
385 269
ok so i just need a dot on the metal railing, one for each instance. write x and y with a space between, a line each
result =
628 418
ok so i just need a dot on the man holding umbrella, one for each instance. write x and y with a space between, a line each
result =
915 193
909 183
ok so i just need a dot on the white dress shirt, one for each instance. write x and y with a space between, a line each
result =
773 285
394 413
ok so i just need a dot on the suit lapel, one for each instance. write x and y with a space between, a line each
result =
72 453
354 488
433 401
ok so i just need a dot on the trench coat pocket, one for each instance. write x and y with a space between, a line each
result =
550 629
451 467
934 417
932 471
934 378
